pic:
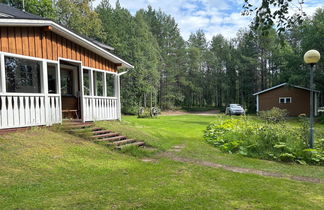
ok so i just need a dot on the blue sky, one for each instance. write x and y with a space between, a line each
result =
212 16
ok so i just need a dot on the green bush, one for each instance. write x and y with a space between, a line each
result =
263 140
274 115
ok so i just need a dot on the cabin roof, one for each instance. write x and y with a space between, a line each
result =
10 16
12 12
281 85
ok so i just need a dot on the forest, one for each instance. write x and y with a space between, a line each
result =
171 72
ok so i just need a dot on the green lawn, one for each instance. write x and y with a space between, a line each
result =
167 131
45 168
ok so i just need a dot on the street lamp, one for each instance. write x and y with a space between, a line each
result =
311 57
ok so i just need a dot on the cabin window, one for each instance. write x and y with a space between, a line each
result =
22 75
110 80
285 100
86 82
98 83
52 78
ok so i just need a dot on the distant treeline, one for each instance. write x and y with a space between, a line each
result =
173 72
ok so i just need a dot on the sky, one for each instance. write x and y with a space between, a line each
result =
212 16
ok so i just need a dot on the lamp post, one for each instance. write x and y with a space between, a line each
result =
311 57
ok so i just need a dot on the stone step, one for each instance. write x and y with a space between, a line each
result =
137 143
111 139
98 132
123 142
105 135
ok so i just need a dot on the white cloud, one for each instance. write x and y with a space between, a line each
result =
212 16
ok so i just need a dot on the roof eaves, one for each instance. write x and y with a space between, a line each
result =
266 90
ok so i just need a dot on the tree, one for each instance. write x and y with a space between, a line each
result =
271 12
78 15
42 8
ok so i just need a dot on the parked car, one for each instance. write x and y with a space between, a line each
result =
234 109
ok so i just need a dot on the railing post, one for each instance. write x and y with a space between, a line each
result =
82 94
2 74
118 97
58 74
44 85
105 85
92 94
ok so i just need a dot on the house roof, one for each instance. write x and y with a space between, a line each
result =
10 16
281 85
7 11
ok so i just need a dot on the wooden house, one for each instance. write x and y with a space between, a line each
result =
48 72
294 99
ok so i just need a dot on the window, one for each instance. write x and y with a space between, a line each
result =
22 75
86 82
110 79
52 78
66 82
285 100
98 83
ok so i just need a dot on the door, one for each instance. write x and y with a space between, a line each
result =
70 92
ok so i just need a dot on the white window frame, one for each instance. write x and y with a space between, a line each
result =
285 100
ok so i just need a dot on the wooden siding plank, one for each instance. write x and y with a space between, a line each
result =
73 56
64 49
83 56
38 43
78 53
18 40
31 42
49 45
54 46
59 46
44 44
68 46
91 55
4 39
87 58
25 47
11 37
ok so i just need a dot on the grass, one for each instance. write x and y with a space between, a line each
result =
46 168
166 131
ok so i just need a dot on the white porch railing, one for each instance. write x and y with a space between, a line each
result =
100 108
22 110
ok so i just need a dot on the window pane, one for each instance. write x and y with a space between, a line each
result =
86 82
110 85
288 100
66 82
22 75
52 78
98 83
282 100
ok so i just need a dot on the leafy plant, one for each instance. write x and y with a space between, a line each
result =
263 140
274 115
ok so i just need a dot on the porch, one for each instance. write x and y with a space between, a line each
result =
36 91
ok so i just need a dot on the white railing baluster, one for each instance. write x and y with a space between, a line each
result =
21 111
4 121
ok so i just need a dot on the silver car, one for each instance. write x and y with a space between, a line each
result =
234 109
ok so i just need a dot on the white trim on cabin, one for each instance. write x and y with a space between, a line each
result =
283 84
69 35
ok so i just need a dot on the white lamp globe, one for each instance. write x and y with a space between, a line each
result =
312 57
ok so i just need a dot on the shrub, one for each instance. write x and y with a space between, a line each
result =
261 140
274 115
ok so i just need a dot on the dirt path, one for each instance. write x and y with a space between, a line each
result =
170 154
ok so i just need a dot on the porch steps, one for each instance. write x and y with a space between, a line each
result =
103 136
111 139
